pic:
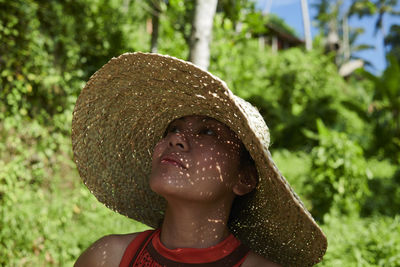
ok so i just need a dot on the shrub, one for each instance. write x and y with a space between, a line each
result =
339 175
385 189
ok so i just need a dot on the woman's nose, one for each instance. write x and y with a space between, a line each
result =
179 141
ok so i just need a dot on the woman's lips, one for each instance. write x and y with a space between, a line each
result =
172 161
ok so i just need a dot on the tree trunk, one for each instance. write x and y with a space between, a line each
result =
155 21
125 6
306 24
202 32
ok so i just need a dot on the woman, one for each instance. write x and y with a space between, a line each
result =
167 144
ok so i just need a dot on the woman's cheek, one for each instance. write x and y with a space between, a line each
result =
158 149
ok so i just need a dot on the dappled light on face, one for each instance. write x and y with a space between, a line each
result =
198 158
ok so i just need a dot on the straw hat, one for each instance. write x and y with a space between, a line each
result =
123 111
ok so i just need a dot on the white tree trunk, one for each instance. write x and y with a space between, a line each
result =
202 32
306 24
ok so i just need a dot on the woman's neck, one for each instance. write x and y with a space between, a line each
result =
193 225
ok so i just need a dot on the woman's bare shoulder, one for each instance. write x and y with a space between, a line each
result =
254 260
107 251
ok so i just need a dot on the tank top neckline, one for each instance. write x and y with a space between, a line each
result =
196 255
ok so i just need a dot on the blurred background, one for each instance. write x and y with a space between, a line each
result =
324 74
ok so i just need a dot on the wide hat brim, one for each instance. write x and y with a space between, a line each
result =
123 111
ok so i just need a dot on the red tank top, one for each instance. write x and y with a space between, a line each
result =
147 250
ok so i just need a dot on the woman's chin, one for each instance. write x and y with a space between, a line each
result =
172 192
165 185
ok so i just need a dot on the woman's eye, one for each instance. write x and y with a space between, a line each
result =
207 131
172 129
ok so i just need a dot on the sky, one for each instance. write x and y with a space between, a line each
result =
290 11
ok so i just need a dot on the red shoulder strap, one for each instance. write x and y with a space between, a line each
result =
134 248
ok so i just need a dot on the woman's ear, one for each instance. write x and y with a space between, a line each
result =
247 180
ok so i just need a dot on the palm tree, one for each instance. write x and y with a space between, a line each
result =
332 19
328 22
368 8
392 42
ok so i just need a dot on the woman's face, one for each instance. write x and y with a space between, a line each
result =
197 159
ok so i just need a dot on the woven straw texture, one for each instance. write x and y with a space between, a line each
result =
123 111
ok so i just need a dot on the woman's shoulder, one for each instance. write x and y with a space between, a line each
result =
255 260
107 251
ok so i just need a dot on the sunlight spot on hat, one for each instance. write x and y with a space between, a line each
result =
200 96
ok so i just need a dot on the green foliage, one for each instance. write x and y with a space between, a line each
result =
386 111
392 40
353 241
362 242
339 175
44 64
175 25
385 190
235 10
47 217
376 7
